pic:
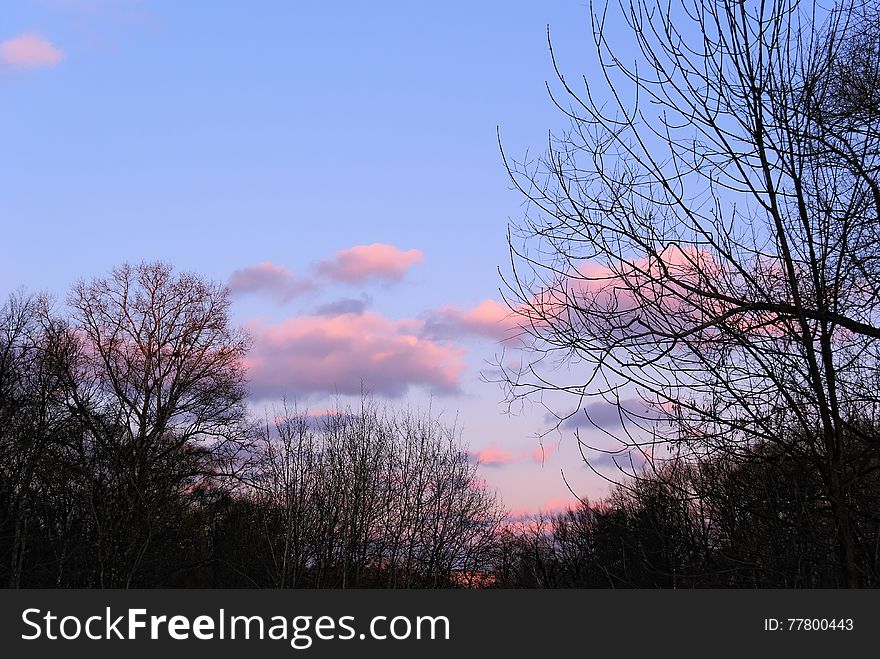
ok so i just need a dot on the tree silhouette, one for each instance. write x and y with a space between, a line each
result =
700 247
128 458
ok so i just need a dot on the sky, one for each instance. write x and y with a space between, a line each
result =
336 164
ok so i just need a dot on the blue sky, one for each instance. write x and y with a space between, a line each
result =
224 135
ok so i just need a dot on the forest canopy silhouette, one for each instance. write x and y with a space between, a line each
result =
129 458
699 249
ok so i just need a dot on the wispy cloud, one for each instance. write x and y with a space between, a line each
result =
355 305
29 51
489 319
493 457
496 457
269 279
603 414
342 345
622 461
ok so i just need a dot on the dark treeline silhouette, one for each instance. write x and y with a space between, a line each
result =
369 499
127 459
710 524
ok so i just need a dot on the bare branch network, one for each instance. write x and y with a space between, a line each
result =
704 239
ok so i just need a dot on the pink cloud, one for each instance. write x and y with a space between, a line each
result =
550 507
342 353
270 279
362 262
493 456
542 453
496 457
489 318
29 51
632 292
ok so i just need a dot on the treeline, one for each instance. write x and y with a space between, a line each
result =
128 458
369 499
764 522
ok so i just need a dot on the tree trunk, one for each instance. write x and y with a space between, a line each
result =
845 542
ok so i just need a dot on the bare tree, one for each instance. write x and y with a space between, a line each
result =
159 385
127 459
367 496
34 420
701 249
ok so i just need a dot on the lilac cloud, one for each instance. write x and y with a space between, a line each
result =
605 414
356 305
269 279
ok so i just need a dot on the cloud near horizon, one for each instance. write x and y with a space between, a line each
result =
550 507
496 457
343 353
29 51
